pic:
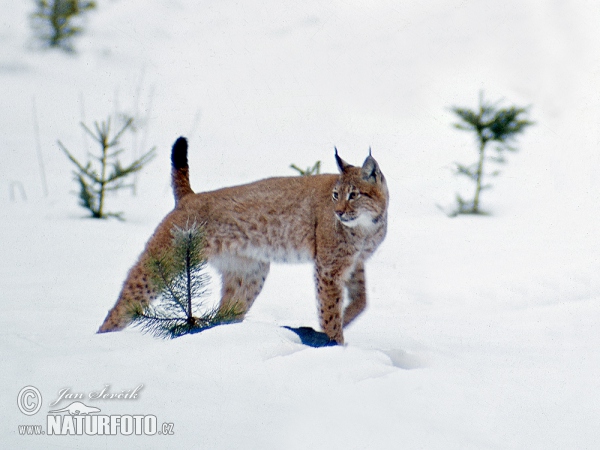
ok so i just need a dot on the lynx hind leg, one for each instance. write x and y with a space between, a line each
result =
137 288
330 296
357 294
243 279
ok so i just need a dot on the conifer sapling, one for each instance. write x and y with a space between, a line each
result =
179 276
314 170
490 124
54 21
94 183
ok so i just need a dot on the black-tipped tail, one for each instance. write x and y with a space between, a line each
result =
179 154
180 177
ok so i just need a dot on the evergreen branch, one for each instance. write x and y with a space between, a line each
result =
155 322
118 171
117 215
85 196
116 138
471 120
102 131
90 187
90 132
117 186
162 276
115 153
72 158
314 170
83 169
159 323
497 159
467 171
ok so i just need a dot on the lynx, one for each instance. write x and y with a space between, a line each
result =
334 221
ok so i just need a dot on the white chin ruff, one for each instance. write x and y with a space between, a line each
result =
363 221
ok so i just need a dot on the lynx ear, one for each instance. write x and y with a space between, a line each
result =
370 170
342 165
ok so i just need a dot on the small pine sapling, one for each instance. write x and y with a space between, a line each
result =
93 183
54 21
314 170
490 124
179 276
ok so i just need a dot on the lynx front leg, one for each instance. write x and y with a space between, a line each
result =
243 279
329 293
357 294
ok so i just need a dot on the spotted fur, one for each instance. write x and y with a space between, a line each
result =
334 221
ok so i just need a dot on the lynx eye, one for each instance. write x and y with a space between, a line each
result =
353 195
335 196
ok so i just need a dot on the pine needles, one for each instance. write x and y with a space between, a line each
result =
180 278
94 183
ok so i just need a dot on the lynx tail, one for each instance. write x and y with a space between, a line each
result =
180 174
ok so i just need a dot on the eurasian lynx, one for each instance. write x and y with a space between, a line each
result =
335 221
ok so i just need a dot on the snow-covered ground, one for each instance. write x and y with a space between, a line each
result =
481 332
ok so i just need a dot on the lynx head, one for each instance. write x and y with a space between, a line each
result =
360 196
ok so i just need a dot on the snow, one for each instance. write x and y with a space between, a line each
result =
481 332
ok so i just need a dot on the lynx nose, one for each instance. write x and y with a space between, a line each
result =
344 216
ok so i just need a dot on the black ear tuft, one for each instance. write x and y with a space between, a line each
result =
342 165
179 153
